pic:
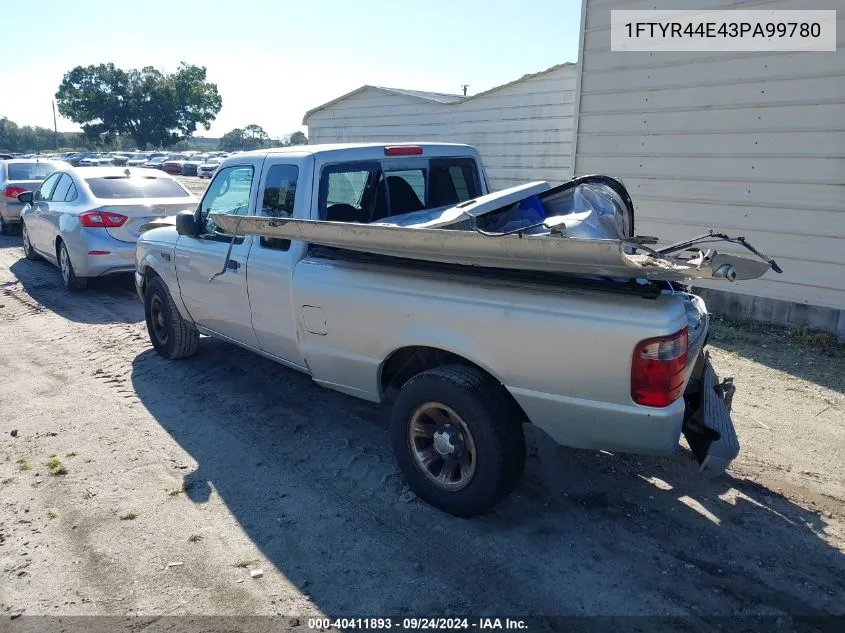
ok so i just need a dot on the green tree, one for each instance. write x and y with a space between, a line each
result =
297 138
150 106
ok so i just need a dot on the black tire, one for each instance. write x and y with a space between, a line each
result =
66 273
5 227
486 409
171 335
28 251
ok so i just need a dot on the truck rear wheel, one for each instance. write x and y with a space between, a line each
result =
170 334
456 440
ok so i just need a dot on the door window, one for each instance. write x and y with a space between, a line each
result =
277 200
45 191
60 192
227 193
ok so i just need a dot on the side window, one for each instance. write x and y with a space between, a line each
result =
71 194
60 192
45 191
277 200
227 193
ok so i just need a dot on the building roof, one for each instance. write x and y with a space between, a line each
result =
434 97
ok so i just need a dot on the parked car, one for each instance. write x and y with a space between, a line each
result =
6 156
16 177
465 354
207 169
173 163
87 220
138 159
75 158
156 162
190 165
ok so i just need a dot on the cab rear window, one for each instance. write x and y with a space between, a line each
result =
135 187
372 191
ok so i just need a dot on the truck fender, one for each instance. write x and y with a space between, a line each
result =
151 266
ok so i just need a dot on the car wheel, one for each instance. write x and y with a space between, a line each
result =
28 251
172 336
457 440
5 228
69 279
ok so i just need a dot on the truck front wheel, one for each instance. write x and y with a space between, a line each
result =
170 334
456 440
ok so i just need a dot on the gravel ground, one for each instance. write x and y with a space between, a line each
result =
136 486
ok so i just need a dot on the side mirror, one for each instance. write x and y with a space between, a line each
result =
25 197
186 223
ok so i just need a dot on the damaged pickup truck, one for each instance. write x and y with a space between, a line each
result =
390 272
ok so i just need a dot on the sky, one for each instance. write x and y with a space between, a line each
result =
273 60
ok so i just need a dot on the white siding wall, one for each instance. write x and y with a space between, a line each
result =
753 144
523 130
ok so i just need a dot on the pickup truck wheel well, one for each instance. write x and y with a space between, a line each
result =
406 362
149 275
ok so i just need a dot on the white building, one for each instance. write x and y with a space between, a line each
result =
752 144
749 143
523 129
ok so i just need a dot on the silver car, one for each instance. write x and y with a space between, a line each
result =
87 221
16 177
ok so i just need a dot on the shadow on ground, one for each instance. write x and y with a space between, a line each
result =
40 280
309 476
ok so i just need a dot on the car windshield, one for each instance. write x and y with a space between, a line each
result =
110 187
30 171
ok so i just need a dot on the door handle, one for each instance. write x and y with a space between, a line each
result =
232 264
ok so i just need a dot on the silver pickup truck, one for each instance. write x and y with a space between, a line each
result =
466 354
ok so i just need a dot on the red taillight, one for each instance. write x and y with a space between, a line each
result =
101 219
403 150
12 192
658 370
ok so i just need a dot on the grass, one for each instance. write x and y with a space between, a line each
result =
195 538
128 516
8 480
186 487
52 514
23 465
56 466
71 454
243 564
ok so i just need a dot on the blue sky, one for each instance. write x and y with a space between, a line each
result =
274 60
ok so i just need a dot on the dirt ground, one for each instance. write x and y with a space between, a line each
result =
136 486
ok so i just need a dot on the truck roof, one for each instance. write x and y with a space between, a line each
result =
306 150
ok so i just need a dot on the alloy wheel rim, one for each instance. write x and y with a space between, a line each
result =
65 265
442 446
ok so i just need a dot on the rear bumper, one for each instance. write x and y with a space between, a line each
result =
702 415
11 211
708 427
120 257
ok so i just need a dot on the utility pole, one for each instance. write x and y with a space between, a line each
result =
465 86
55 128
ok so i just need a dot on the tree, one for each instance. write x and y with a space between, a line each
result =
26 138
297 138
150 106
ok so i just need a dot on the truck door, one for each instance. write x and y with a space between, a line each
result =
220 303
271 262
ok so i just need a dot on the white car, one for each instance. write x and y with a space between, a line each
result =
209 167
